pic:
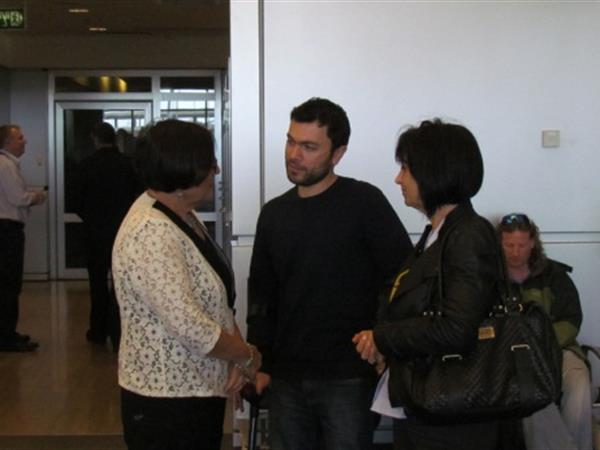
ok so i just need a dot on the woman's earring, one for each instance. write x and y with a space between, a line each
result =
179 194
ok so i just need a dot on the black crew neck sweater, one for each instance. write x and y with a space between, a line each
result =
317 266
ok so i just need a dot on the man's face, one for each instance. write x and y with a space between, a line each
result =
308 153
15 143
517 248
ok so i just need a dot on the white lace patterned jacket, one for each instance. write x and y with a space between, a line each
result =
173 307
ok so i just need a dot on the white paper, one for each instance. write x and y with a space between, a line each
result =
381 399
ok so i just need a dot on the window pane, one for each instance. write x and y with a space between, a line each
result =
186 84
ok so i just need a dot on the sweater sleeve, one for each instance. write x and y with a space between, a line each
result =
386 237
262 295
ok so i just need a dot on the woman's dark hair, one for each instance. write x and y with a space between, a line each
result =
173 155
327 114
445 161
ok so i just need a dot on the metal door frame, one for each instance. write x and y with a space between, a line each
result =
222 214
58 260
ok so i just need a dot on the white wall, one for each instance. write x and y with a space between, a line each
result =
4 95
507 70
245 114
29 108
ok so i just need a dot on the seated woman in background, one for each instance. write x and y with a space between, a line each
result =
181 352
441 170
547 282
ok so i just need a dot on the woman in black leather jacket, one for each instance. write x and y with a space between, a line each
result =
441 170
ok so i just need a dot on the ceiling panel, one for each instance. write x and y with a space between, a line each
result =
139 34
123 16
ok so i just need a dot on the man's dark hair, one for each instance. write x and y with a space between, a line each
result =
327 114
173 154
104 133
445 161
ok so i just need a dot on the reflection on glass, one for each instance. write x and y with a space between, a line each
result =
130 120
111 84
78 144
191 99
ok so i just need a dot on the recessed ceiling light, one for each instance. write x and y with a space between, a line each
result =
97 29
79 10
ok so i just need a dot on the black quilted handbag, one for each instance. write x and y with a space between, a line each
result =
513 370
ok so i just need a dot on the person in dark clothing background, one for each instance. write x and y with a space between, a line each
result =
105 188
321 252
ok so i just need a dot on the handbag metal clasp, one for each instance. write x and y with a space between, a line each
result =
519 347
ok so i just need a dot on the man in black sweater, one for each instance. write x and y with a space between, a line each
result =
105 188
322 252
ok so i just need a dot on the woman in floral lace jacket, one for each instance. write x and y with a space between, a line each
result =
181 352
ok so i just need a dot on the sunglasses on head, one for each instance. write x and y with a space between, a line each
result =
515 219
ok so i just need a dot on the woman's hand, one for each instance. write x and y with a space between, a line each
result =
263 380
366 348
236 378
380 364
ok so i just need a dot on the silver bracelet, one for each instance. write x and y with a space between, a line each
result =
250 360
248 363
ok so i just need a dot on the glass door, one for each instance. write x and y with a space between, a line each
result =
73 125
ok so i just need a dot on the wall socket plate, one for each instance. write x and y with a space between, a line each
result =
550 138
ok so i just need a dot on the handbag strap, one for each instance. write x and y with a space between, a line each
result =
508 301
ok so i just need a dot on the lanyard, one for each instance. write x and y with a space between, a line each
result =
397 284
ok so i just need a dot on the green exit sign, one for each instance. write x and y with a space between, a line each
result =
12 18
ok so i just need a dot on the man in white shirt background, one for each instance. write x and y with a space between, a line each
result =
15 200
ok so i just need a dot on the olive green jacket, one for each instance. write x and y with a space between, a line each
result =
550 285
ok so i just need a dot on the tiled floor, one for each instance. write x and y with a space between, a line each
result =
65 395
107 442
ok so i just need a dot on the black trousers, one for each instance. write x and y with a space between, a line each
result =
104 313
12 250
189 423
